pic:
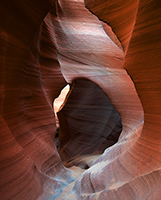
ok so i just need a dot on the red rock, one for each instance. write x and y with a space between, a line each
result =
121 60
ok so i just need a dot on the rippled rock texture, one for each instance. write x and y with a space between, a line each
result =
109 53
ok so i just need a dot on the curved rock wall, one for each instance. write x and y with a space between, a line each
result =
133 174
27 89
37 61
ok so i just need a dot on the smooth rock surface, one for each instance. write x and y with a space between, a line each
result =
44 46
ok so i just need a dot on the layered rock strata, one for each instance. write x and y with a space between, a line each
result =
39 56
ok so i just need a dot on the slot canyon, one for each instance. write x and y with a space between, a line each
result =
104 142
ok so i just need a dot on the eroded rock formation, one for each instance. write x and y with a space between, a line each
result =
47 44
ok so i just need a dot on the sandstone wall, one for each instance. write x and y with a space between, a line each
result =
114 71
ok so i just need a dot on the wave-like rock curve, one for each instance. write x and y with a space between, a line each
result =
44 46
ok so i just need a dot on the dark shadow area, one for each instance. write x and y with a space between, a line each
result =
88 122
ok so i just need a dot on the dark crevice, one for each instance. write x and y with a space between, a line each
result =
88 122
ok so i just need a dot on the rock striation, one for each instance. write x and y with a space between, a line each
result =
109 53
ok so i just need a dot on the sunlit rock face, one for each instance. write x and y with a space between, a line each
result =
114 71
59 102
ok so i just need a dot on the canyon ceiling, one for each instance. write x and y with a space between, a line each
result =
110 126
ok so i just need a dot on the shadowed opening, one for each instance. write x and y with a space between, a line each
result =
88 122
